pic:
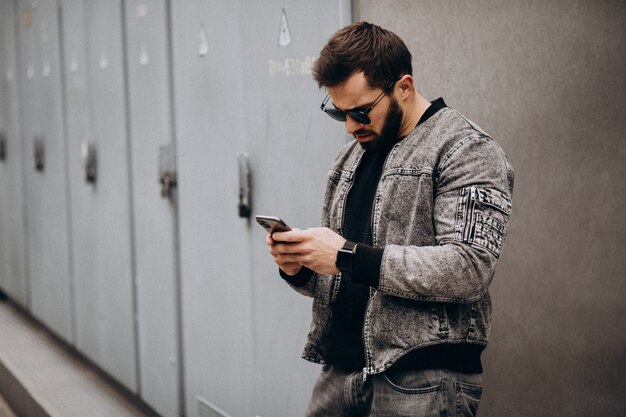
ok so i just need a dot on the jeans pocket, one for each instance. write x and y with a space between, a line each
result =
409 393
409 381
467 398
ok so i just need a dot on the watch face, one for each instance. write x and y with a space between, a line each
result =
345 256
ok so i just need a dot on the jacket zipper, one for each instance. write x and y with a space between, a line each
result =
369 299
367 364
468 231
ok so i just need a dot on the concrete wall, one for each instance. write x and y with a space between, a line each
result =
547 79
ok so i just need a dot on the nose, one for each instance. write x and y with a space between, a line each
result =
352 125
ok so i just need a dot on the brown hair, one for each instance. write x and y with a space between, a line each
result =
380 54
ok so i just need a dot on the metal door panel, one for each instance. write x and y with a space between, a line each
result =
47 199
83 203
244 328
214 249
104 290
12 232
290 163
155 233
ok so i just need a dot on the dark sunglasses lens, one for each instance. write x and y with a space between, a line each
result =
336 114
360 117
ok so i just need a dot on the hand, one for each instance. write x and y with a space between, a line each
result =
314 248
289 267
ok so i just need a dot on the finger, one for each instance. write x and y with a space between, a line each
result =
285 259
288 265
286 248
292 236
291 269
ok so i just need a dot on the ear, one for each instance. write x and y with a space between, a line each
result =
405 86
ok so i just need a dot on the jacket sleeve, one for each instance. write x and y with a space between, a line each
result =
303 282
471 206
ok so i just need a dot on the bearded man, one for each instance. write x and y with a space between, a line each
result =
413 223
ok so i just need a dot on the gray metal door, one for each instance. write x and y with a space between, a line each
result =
243 86
46 176
154 204
12 232
102 228
100 182
291 145
214 249
83 202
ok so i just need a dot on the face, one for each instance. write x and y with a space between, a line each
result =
385 116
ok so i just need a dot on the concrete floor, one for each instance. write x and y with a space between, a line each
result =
5 410
42 377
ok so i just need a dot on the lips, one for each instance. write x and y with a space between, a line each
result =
363 136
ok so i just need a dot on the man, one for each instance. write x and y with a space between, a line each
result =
414 218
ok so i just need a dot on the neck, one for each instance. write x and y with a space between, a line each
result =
413 112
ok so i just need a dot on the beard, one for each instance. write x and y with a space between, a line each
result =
389 133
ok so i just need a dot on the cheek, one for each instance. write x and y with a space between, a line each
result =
377 124
378 117
376 129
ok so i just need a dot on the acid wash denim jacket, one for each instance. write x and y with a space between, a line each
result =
440 212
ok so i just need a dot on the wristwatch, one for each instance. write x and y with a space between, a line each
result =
345 256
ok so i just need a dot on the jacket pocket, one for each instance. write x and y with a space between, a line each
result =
481 218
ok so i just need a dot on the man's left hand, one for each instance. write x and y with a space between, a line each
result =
314 248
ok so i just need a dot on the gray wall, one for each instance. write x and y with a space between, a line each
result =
548 80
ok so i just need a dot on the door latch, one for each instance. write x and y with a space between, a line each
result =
39 153
167 170
90 161
245 203
3 147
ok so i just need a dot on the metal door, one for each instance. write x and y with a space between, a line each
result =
12 233
243 86
214 248
97 128
291 145
83 203
154 204
46 176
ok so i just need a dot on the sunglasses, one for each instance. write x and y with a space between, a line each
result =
358 115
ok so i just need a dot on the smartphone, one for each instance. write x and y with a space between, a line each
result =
272 224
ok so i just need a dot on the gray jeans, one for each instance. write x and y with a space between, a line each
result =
395 393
